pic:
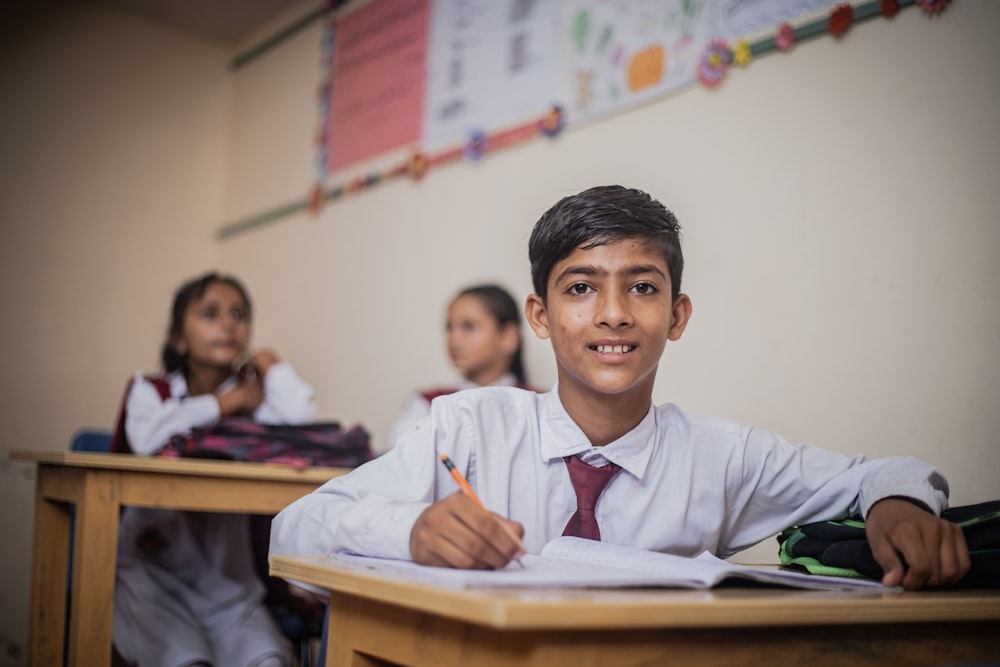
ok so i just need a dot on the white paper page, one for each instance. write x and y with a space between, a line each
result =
538 572
572 562
661 567
704 571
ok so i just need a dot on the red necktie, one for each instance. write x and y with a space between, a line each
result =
588 482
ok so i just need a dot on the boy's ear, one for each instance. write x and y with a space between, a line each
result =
537 316
681 315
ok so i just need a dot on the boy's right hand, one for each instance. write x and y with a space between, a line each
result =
456 532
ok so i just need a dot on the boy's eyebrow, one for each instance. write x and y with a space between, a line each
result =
590 270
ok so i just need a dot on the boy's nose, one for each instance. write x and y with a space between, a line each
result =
613 309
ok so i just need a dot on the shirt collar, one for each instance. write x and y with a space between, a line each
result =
561 437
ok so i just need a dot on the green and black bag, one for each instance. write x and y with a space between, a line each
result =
840 548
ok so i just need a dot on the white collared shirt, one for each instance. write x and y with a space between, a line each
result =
151 420
687 484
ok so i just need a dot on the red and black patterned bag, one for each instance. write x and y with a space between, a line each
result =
301 445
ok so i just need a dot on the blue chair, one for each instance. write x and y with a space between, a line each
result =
91 440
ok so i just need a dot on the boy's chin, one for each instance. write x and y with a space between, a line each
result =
614 386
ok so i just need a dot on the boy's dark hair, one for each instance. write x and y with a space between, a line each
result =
188 292
599 216
504 309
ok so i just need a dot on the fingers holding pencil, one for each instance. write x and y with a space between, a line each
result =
513 529
456 532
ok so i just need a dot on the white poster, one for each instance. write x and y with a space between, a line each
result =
491 64
734 19
621 52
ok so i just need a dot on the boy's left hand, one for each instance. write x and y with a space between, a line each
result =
915 548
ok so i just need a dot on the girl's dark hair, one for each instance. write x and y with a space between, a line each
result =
599 216
188 292
503 308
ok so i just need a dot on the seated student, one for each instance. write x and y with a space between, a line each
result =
606 268
483 335
188 591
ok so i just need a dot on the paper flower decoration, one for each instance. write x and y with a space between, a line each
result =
840 19
475 148
356 185
714 63
416 166
890 8
785 38
932 6
741 53
553 122
315 200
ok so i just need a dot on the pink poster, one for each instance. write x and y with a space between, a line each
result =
377 92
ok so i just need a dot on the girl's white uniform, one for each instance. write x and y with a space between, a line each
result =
417 407
187 590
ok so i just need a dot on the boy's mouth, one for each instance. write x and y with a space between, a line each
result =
613 349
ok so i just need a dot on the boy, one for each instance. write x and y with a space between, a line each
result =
606 267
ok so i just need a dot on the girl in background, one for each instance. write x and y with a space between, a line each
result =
188 592
483 336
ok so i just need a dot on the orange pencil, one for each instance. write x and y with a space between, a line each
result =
463 484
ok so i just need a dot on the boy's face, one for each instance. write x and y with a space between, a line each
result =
609 314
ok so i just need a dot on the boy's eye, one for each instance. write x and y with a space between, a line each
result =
210 312
579 288
644 288
237 315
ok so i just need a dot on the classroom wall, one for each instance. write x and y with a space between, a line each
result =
839 204
840 209
113 135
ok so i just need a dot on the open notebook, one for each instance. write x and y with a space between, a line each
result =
573 562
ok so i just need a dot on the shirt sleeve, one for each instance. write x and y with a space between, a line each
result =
151 420
371 510
288 399
773 475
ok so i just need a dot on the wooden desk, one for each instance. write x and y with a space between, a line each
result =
99 485
375 618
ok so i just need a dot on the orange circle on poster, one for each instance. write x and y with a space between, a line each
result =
646 68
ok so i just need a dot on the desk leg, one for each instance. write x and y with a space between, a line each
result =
96 545
50 562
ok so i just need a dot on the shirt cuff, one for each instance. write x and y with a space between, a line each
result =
204 410
932 493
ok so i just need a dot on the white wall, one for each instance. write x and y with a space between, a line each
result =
113 149
839 204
